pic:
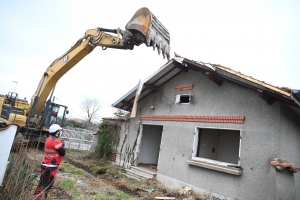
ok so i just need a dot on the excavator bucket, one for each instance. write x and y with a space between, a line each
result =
144 27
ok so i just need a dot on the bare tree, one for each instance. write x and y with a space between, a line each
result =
91 107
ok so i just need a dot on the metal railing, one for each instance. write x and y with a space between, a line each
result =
77 138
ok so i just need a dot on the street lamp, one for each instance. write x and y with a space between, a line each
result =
15 86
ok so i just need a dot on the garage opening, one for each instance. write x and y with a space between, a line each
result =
221 145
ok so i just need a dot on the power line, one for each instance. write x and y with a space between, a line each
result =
70 108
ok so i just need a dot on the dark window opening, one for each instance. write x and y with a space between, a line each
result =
218 144
183 98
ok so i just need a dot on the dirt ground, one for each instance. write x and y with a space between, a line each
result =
81 177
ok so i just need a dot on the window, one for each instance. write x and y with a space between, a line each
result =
183 98
219 148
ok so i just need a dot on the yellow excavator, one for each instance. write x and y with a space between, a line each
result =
34 118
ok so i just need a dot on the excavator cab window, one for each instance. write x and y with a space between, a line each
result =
52 114
11 98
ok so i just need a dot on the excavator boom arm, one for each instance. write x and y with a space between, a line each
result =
143 27
60 66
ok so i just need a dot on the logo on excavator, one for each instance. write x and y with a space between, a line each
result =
65 59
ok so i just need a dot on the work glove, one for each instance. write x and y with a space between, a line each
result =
63 144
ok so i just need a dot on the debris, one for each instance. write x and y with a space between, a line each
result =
186 190
121 182
64 173
89 175
149 190
153 167
145 198
81 182
164 197
190 198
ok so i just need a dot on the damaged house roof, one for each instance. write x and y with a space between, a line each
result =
215 73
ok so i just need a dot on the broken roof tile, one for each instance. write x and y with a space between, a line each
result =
116 118
282 163
175 66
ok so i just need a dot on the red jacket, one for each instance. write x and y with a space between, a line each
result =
51 155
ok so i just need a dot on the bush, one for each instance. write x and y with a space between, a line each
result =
108 139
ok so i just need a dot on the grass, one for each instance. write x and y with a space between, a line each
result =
122 195
119 195
99 190
49 198
66 167
77 152
98 169
69 184
103 197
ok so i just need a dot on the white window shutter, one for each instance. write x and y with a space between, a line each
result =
196 141
177 100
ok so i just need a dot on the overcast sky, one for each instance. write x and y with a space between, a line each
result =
258 38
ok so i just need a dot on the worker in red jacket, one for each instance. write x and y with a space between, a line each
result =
53 153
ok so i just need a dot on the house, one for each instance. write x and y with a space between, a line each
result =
215 130
81 121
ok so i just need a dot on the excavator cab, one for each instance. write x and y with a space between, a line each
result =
38 125
11 98
50 115
12 109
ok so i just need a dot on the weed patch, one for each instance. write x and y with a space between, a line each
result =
103 197
77 153
69 184
66 167
98 169
122 195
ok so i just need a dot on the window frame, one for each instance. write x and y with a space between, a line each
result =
177 98
210 161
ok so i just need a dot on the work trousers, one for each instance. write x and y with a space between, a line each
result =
47 178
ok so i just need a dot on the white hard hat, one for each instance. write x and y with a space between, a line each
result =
54 127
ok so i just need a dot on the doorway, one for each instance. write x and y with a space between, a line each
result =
150 145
